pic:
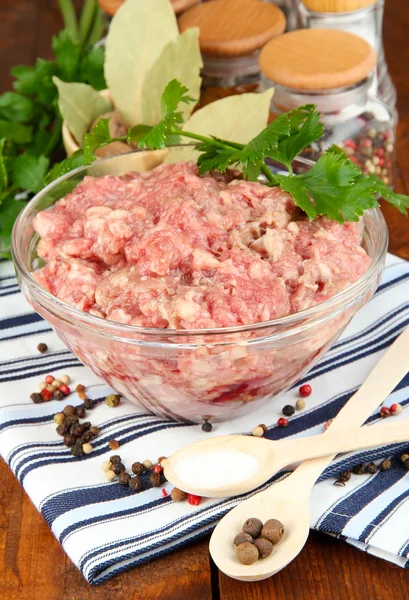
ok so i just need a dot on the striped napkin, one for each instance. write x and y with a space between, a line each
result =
105 528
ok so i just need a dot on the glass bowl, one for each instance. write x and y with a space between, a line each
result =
192 375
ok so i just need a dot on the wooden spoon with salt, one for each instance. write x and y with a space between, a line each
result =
288 500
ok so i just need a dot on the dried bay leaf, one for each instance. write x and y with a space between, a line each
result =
235 119
80 105
181 60
137 35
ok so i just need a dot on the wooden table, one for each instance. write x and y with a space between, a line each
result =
33 565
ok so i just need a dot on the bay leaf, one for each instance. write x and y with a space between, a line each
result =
181 60
137 35
235 119
80 105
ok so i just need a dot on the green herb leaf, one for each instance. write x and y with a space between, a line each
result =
99 136
10 209
400 201
67 53
4 178
15 107
16 132
92 67
26 79
305 129
80 105
29 171
72 162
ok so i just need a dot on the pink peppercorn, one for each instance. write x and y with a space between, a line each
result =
350 144
305 390
46 394
194 500
396 409
157 469
65 389
164 493
385 412
49 379
282 422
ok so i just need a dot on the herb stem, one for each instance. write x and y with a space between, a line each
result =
270 177
207 140
69 17
87 19
54 138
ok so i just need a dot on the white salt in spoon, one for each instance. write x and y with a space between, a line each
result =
288 500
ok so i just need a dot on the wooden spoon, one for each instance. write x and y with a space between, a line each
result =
288 500
269 457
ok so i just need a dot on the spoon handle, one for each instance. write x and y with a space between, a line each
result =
381 381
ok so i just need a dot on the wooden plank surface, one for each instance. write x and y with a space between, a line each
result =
32 563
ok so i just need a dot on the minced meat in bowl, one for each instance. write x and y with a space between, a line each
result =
194 296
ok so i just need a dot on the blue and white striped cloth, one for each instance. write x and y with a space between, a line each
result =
105 528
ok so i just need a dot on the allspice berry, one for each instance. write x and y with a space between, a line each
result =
134 484
118 468
69 410
177 495
247 553
137 468
253 527
124 478
272 531
242 538
404 457
265 547
155 479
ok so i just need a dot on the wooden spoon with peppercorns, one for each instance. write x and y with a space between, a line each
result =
288 500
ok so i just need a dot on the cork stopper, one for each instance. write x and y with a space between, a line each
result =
234 27
111 6
333 6
317 59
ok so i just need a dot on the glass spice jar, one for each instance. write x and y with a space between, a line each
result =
232 32
289 8
362 17
306 67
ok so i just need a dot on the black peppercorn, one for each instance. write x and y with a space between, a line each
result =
253 527
340 482
135 484
115 459
88 403
42 348
406 464
155 479
94 430
76 430
137 468
359 469
69 410
124 478
118 468
371 468
288 410
207 427
86 437
77 450
58 395
69 440
36 398
80 412
63 428
385 465
345 475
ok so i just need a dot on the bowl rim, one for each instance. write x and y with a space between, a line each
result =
331 304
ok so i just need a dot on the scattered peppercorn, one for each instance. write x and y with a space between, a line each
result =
396 409
59 418
83 396
49 378
242 538
193 499
88 403
339 482
50 388
157 469
124 478
282 422
63 428
155 479
58 395
385 412
300 404
87 448
110 475
385 465
36 398
76 430
345 475
42 386
69 440
42 348
118 467
371 468
406 464
288 410
80 412
56 383
272 530
87 436
327 424
77 450
247 553
115 459
258 431
46 394
164 493
305 390
137 468
69 410
359 469
66 379
80 388
147 464
65 389
135 484
177 495
106 465
264 547
113 444
253 527
404 457
94 430
112 400
71 419
207 427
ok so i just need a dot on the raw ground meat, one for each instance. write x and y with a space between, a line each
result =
170 249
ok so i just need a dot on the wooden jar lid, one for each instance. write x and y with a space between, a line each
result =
317 59
333 6
234 27
111 6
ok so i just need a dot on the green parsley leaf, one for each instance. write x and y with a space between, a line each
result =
15 107
92 67
26 79
4 178
16 132
400 201
67 53
10 209
99 136
29 171
72 162
305 129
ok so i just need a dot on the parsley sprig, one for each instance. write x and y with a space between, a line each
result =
334 187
